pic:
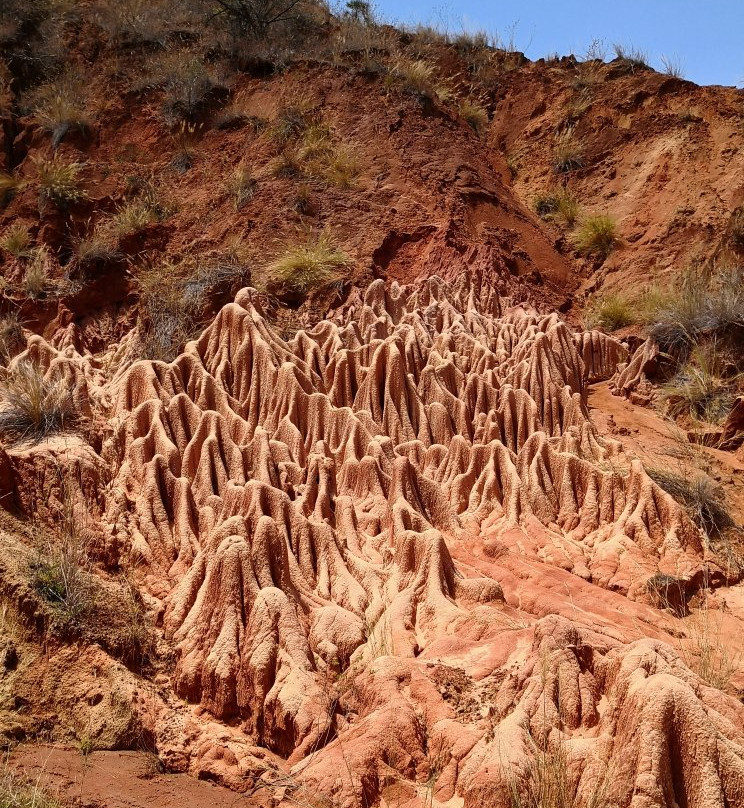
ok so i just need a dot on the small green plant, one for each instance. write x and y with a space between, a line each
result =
138 213
474 114
98 246
610 312
241 186
32 406
304 268
558 204
86 745
184 137
292 120
567 153
16 240
597 235
59 182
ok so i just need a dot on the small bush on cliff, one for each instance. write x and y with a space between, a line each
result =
303 268
416 76
33 406
597 235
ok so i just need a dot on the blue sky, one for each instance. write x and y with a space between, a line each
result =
703 36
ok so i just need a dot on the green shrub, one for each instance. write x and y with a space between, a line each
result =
17 791
611 312
304 268
597 235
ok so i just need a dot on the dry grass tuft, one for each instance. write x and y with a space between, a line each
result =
706 652
567 153
701 497
705 387
19 792
60 182
60 106
34 406
241 186
16 240
610 312
8 186
474 114
12 338
597 235
36 279
416 76
304 268
558 204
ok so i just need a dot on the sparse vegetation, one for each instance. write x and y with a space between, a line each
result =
241 185
340 167
60 106
98 246
597 235
706 652
416 76
8 186
59 182
672 67
474 114
706 304
34 406
36 278
16 240
610 312
634 58
567 154
304 268
17 791
700 496
558 204
12 338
